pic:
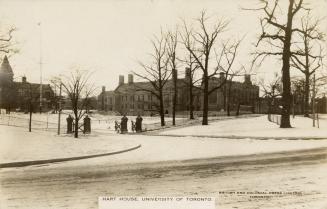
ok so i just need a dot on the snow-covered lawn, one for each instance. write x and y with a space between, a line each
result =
255 127
99 122
157 149
17 144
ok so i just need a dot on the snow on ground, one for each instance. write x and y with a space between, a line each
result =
162 148
255 127
99 122
17 144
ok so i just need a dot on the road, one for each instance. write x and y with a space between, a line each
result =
297 182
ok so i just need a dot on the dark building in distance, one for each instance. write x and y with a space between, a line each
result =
130 98
20 95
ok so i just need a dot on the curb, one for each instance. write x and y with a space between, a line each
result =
56 160
243 137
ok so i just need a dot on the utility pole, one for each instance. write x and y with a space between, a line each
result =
59 113
39 24
314 101
293 104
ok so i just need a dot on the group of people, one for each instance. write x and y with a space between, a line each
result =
86 124
135 126
119 127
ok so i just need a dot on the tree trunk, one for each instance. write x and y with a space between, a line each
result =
286 95
191 101
306 95
162 111
205 100
30 120
229 97
76 127
175 95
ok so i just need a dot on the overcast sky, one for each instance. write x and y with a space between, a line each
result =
111 36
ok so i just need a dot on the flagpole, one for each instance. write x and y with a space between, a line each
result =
40 67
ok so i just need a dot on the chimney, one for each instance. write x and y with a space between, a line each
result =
222 75
130 78
103 88
247 79
121 80
24 79
187 72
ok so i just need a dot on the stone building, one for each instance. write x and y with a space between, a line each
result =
131 98
19 95
233 93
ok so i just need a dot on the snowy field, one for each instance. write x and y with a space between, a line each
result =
17 144
255 127
100 123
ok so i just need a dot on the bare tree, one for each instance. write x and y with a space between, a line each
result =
229 85
156 73
202 50
171 51
6 44
274 29
191 81
308 57
78 88
271 91
298 91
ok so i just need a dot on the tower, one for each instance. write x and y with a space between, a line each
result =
6 73
6 85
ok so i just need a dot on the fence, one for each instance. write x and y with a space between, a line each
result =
11 120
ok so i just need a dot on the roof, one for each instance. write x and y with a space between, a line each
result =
139 86
107 93
5 66
35 86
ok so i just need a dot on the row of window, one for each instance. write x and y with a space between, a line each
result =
132 98
138 106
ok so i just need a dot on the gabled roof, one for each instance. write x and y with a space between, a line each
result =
5 66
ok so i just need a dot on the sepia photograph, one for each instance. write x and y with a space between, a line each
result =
163 104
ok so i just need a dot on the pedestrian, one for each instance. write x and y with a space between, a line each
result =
69 120
138 124
123 124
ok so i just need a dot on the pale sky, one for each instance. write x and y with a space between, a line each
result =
110 36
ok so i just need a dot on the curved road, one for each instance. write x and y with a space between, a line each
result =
282 180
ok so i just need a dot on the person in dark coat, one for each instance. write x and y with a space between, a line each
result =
138 124
87 125
69 120
123 125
